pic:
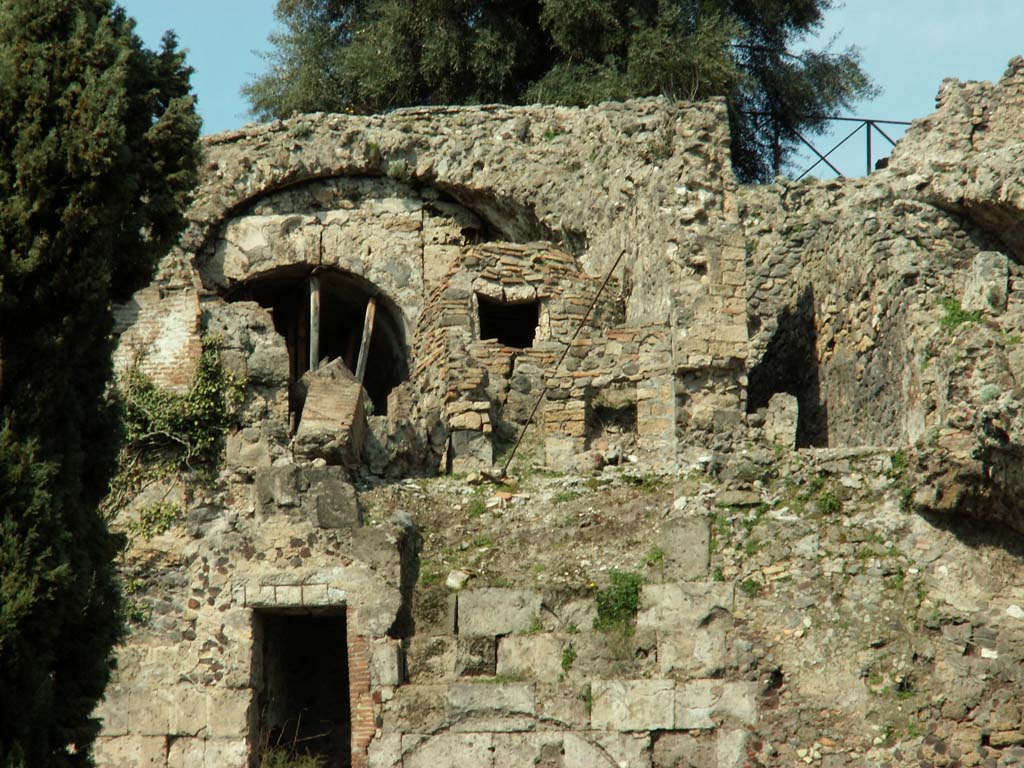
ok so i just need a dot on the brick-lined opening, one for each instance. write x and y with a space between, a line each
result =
343 300
513 324
304 700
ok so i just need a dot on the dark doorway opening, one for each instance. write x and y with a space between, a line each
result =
514 324
790 365
343 304
304 692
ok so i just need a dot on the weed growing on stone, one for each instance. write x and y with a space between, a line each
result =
751 588
587 697
477 506
955 315
829 503
617 603
655 558
280 757
718 575
154 519
568 658
536 627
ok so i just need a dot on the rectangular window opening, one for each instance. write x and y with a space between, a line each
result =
303 688
513 324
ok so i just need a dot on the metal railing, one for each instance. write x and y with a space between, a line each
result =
863 124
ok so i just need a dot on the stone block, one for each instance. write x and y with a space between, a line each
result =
682 606
241 452
987 284
416 709
673 749
113 710
731 748
605 750
470 450
632 705
483 707
702 652
536 657
738 701
385 751
701 704
185 752
695 704
497 611
189 714
251 245
448 750
475 655
781 421
333 423
226 753
228 712
385 662
539 749
131 751
563 705
685 544
430 659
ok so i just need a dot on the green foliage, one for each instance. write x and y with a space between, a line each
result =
751 587
477 506
565 496
186 429
955 315
155 519
376 55
280 757
97 159
617 603
655 558
568 658
829 503
719 574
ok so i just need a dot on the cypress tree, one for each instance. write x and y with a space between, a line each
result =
98 151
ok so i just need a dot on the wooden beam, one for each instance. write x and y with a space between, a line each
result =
314 322
364 345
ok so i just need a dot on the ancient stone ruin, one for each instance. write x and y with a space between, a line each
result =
399 293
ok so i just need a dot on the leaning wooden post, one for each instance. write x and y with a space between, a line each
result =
364 345
314 322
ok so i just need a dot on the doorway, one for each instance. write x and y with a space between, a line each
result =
302 679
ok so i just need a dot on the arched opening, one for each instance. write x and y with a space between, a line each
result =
330 314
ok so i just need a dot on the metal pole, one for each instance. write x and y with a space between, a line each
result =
558 365
867 127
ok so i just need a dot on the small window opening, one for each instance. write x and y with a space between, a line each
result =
343 312
514 324
303 687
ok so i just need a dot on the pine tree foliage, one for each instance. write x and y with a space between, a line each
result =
98 150
372 55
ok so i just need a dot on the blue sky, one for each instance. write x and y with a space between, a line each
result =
908 47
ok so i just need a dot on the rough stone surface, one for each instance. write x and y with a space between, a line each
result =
855 602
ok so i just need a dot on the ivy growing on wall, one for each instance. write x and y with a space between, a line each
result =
169 433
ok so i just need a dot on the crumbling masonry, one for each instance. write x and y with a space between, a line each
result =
396 292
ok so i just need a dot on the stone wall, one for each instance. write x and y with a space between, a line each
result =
884 310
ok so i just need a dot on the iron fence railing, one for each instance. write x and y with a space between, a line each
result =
863 125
